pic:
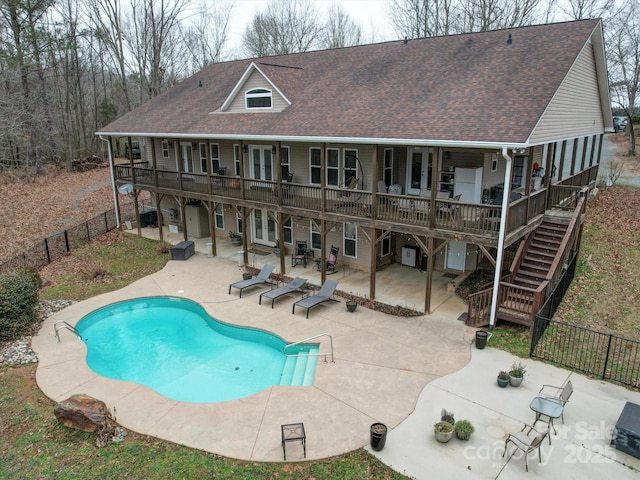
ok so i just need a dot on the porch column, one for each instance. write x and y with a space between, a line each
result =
112 168
430 262
373 262
501 235
283 250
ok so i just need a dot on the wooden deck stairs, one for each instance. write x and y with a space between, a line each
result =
534 272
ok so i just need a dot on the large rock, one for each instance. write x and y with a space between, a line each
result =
81 412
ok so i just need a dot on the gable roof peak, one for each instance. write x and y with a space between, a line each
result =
253 67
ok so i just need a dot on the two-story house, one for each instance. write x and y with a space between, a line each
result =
435 153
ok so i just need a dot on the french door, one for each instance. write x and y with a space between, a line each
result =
264 228
187 157
419 170
262 162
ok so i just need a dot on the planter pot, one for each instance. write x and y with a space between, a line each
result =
236 241
276 252
378 436
515 381
503 382
443 437
481 339
246 276
351 306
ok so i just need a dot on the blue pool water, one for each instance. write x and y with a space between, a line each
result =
174 347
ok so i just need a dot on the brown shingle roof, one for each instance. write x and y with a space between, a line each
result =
467 88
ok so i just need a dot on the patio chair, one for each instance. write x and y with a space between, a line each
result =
527 440
330 263
559 394
293 286
261 278
300 253
325 294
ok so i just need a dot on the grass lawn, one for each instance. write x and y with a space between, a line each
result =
34 445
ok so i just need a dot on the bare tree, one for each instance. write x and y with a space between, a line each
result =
580 9
422 18
624 62
287 26
340 30
207 36
483 15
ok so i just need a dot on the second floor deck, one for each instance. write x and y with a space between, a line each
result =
420 215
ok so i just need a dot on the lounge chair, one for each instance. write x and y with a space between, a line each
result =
291 287
325 294
261 278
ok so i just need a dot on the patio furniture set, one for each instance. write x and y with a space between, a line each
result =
548 405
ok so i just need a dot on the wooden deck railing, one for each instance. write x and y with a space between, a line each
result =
476 219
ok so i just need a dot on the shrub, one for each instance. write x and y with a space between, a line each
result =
18 299
446 416
463 429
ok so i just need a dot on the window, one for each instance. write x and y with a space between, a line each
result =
350 239
287 228
350 165
284 162
215 157
258 98
219 213
494 161
236 159
316 238
165 148
385 245
238 223
388 166
333 167
203 157
314 166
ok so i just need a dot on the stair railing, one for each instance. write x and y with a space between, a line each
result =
308 354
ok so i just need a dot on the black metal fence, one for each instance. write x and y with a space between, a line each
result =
60 244
596 353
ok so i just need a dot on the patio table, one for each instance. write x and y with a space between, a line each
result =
546 411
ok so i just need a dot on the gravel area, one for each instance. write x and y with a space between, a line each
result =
19 351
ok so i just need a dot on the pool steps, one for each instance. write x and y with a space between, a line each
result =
300 370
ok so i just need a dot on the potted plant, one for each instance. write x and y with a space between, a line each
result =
463 429
503 378
276 248
443 431
516 374
447 416
236 238
351 305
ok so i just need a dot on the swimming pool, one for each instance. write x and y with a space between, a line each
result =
175 347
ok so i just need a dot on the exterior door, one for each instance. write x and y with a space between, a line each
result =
262 162
264 228
418 170
187 157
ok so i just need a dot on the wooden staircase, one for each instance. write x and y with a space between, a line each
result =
522 295
535 270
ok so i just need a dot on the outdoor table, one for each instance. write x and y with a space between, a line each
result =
546 410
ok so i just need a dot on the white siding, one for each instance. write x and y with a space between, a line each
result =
575 110
256 80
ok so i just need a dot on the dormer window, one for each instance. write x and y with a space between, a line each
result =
258 98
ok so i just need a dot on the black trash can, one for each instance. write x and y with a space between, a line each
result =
481 339
378 436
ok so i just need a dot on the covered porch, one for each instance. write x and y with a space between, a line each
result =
396 284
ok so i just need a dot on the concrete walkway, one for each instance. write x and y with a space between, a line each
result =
382 363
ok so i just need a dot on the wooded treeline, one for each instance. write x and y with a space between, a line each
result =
69 67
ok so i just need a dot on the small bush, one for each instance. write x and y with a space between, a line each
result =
18 299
